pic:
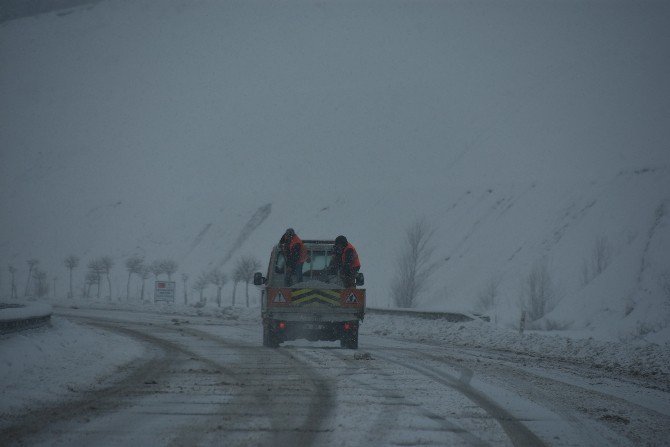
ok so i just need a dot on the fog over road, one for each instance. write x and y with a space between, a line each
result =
202 382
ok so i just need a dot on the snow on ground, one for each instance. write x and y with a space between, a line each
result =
49 363
10 312
642 359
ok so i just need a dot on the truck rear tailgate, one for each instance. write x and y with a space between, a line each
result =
304 304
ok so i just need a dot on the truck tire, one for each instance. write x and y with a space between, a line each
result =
269 338
266 340
350 341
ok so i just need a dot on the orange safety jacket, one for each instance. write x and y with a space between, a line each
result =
303 251
355 262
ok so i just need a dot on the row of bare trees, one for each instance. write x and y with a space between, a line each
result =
97 269
98 283
36 276
244 270
135 265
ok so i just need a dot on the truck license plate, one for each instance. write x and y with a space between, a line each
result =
314 326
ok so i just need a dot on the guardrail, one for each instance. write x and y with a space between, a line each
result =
452 317
18 317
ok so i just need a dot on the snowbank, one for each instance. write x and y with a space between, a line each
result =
31 310
51 363
631 358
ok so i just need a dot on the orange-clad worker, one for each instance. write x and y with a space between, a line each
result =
345 261
295 254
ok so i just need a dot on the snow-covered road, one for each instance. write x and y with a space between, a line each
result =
208 381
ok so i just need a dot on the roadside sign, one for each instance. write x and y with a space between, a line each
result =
164 291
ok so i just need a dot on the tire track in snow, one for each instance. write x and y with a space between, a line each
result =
143 371
381 425
595 415
185 404
517 432
320 402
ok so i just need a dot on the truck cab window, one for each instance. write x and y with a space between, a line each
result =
317 263
280 263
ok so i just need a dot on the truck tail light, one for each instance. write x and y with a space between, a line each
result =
282 325
347 326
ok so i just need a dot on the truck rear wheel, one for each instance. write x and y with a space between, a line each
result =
269 338
350 341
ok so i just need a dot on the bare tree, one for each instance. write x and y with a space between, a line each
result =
12 272
601 256
414 265
134 266
248 265
156 269
200 285
145 273
238 276
487 296
96 267
169 267
184 278
585 274
219 279
31 265
41 283
107 263
71 262
92 278
539 292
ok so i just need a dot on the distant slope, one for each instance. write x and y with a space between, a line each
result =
200 131
16 9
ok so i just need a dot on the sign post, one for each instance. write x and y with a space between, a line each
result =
164 291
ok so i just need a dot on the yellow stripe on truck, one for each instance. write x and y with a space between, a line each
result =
303 296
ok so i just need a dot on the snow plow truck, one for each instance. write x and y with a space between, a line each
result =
317 308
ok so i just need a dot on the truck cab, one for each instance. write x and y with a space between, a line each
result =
317 308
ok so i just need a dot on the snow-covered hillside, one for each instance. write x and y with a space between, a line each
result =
526 133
